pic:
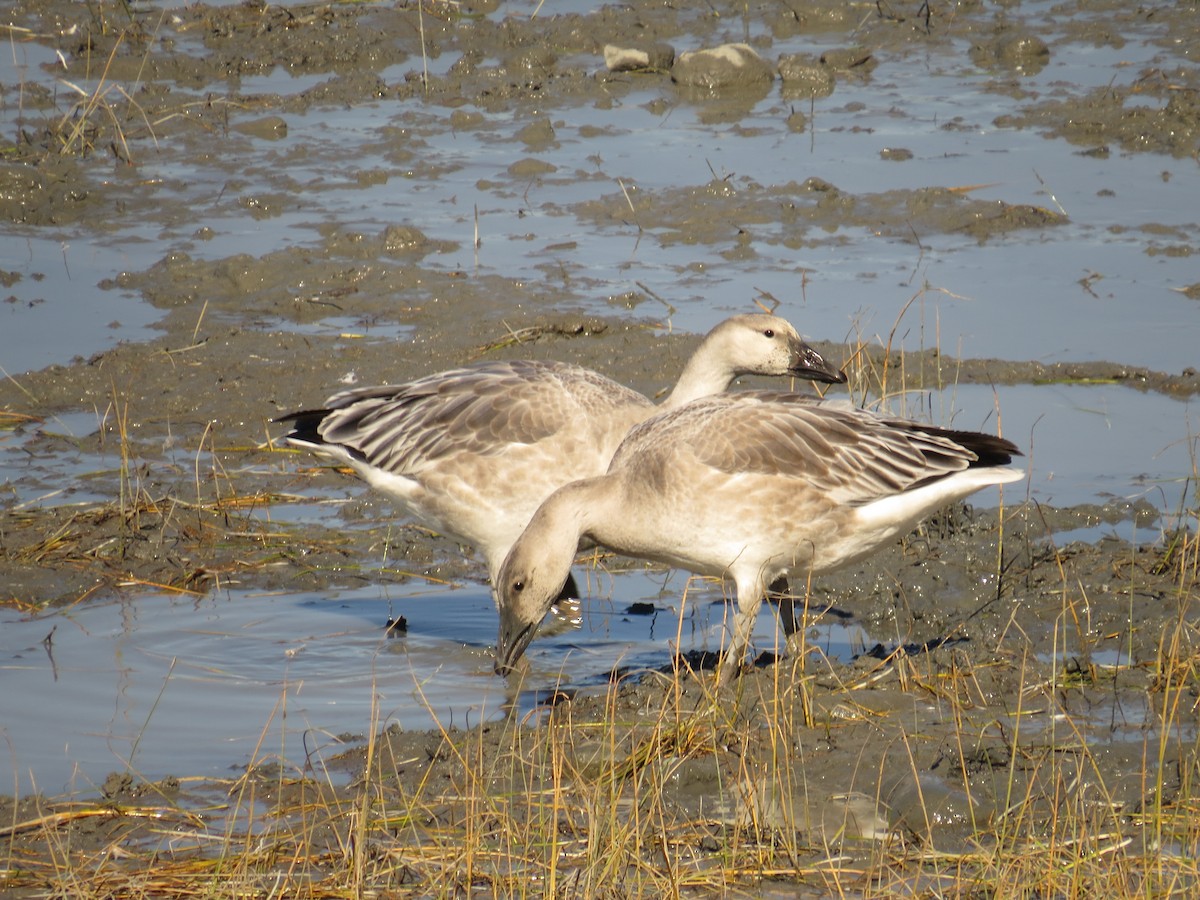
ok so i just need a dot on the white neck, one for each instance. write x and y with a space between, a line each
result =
572 513
706 373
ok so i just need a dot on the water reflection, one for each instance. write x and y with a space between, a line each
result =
175 684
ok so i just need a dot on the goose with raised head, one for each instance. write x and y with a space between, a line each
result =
746 486
472 452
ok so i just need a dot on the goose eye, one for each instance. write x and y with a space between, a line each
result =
770 332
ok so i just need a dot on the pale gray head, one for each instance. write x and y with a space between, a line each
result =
531 577
761 344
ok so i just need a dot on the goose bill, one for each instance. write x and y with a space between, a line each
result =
511 648
811 365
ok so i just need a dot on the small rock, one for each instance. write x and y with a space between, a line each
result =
895 154
538 133
805 77
631 59
722 68
1021 51
268 128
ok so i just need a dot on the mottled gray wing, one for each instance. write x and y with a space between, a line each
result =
478 409
850 455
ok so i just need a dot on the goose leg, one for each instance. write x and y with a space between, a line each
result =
570 590
565 609
780 593
735 654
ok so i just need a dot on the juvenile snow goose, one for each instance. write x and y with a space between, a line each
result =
472 452
746 486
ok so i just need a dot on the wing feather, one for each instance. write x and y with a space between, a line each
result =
480 409
848 455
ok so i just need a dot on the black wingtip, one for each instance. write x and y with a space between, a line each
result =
305 425
990 449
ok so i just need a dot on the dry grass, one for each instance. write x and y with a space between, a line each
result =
94 112
105 114
586 805
94 119
155 533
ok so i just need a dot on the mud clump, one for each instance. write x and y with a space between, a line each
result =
725 68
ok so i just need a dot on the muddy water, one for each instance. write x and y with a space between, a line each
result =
626 181
302 198
137 683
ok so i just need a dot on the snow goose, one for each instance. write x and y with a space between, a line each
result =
472 452
747 486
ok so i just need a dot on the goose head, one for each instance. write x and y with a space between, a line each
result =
755 344
762 344
535 570
526 590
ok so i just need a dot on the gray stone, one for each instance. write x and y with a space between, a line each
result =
729 66
803 76
642 56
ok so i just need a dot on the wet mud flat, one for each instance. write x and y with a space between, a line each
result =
1027 719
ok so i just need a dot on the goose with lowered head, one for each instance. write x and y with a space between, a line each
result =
748 486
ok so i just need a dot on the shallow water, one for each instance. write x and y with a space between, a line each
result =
284 673
655 143
176 684
1138 445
